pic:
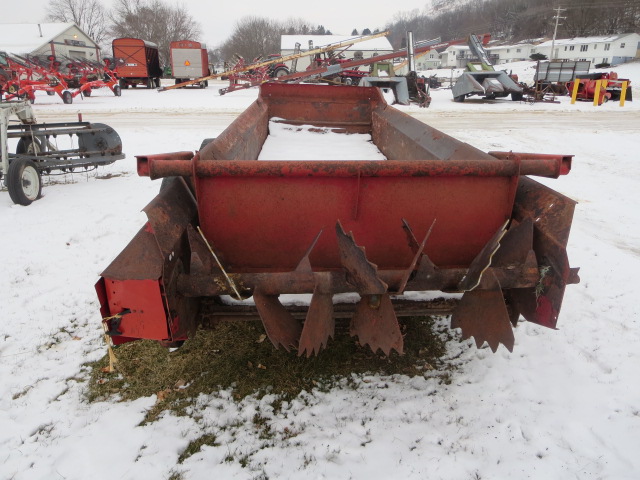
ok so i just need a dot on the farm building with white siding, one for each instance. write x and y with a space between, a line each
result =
61 39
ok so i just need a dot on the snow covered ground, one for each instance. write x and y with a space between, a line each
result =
564 405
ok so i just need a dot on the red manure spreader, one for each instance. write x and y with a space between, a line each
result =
431 214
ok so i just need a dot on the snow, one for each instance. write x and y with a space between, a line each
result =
306 142
563 405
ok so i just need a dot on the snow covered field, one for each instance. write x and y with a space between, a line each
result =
564 405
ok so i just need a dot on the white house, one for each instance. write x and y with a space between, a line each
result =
456 56
612 49
364 49
428 60
510 53
47 38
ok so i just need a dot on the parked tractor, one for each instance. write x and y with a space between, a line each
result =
428 213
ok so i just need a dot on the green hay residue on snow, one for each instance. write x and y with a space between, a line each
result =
237 355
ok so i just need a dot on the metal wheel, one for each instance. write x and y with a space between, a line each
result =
67 97
23 181
149 82
87 92
28 145
117 91
280 72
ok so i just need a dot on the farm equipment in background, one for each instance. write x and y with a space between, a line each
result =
22 79
137 62
38 151
487 82
344 75
189 60
85 76
273 62
241 77
436 215
66 77
611 87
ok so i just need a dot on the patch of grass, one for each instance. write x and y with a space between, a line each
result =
195 446
235 354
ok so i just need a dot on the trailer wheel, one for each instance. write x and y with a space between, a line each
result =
28 145
23 181
157 81
87 92
280 72
459 98
149 82
117 91
67 97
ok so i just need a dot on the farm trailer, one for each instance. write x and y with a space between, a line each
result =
189 60
436 215
137 62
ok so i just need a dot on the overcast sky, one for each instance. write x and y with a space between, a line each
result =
217 19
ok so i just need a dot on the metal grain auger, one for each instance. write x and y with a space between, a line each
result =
437 215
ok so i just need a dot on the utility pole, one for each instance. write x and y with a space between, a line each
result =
555 30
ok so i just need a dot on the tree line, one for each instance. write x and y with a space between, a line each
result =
252 36
516 20
162 23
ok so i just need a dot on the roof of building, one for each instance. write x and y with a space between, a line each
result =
584 40
288 42
22 38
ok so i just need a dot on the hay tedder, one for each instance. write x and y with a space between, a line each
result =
435 215
22 76
48 149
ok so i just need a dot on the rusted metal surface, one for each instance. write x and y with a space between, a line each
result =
158 167
271 225
377 326
445 279
482 314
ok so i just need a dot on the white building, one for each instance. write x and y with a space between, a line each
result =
47 38
364 49
510 53
430 59
612 49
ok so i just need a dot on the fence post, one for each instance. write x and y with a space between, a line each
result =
596 94
574 93
623 93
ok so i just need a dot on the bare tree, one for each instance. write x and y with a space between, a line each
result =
89 15
155 21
